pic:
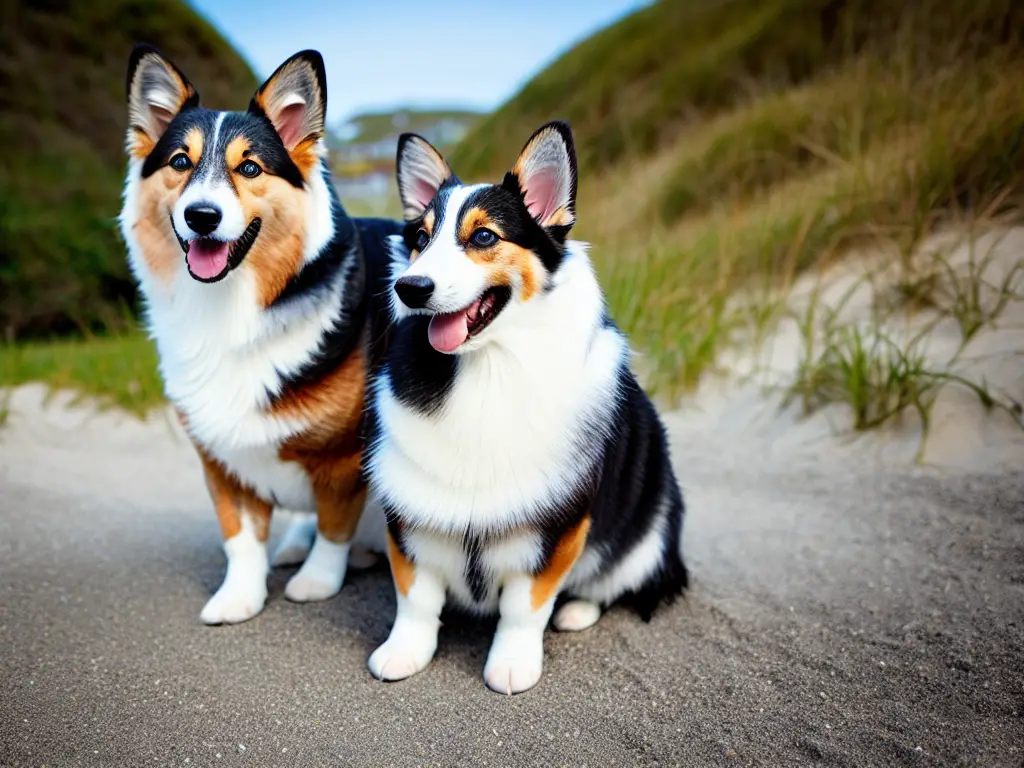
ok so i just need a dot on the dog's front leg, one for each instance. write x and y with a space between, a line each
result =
516 658
245 524
420 594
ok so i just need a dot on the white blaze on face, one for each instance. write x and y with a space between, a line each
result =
212 189
458 280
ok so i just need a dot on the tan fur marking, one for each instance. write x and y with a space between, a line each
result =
330 451
194 143
567 552
333 405
305 156
235 152
141 145
560 218
277 253
503 260
340 495
153 230
402 569
230 499
473 220
429 219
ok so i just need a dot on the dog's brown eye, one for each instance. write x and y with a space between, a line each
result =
249 169
180 162
483 238
422 238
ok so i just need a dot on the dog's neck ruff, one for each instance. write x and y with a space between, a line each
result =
519 435
223 357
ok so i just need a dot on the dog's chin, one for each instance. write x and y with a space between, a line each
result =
210 260
450 331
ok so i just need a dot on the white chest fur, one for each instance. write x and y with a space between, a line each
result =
507 444
221 358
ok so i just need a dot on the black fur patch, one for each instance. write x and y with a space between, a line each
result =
637 484
257 129
476 579
421 377
438 205
509 212
357 248
173 140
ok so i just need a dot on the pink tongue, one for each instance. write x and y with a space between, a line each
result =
207 258
447 332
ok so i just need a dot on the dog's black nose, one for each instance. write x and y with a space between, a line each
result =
414 290
202 219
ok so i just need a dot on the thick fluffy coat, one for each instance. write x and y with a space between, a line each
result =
516 456
255 287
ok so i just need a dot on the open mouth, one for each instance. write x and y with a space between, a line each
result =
210 260
447 332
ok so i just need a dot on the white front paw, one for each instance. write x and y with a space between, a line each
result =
515 663
322 575
398 659
235 602
309 587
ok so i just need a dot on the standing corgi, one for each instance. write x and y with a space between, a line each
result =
515 454
255 286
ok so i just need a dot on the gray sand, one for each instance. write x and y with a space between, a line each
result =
843 613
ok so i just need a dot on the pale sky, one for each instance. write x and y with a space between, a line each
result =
381 54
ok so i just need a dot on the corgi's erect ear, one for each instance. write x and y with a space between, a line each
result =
545 177
294 99
156 91
421 171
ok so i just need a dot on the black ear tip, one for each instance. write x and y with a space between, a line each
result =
403 139
408 137
562 128
139 51
314 58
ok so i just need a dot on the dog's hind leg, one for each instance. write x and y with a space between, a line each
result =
576 615
340 497
296 541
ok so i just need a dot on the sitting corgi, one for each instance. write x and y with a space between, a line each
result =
257 293
516 456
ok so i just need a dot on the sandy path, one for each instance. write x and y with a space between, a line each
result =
849 608
859 616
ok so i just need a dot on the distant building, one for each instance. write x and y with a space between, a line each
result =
363 149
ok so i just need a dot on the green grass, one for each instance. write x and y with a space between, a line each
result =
115 370
879 376
728 145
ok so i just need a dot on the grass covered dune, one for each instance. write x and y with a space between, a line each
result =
727 146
